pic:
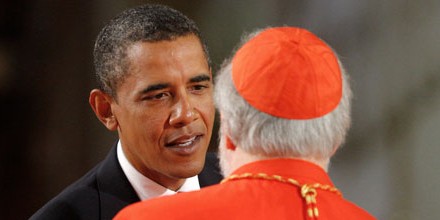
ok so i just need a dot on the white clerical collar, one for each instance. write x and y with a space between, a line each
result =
147 188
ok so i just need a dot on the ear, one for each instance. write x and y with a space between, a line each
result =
229 144
101 105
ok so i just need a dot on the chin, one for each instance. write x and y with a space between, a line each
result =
189 170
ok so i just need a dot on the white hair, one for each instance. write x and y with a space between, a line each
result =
261 134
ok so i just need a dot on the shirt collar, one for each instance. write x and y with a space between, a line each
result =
146 188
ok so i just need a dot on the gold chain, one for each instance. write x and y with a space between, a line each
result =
308 191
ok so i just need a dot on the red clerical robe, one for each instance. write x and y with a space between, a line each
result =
268 189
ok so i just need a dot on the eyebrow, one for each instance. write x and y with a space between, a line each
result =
200 78
155 87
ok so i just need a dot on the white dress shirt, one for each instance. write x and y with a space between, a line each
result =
146 188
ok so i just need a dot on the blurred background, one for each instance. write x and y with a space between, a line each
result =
49 135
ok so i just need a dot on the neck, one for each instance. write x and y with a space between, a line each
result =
240 158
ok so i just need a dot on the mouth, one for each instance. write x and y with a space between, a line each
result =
184 144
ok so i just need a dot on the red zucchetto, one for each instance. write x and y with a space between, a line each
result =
289 73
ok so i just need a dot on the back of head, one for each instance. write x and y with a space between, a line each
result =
284 94
148 23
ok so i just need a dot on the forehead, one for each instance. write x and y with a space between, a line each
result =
176 60
167 52
180 42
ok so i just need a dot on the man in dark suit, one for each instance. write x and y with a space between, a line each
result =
156 92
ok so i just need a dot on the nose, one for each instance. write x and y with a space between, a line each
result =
183 112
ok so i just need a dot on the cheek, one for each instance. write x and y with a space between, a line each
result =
207 109
148 127
153 126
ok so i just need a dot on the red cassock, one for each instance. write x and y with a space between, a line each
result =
268 189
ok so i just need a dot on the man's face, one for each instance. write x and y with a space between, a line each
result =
164 109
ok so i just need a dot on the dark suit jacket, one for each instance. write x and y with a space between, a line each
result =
105 190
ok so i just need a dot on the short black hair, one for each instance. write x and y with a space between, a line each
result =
146 23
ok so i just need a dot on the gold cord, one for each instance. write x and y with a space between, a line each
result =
308 191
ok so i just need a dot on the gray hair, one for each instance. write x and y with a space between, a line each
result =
147 23
261 134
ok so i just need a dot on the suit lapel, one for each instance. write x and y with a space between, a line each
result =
115 191
211 172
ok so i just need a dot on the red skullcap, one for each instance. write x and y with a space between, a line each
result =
288 73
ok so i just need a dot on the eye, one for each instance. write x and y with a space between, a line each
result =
199 88
158 96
